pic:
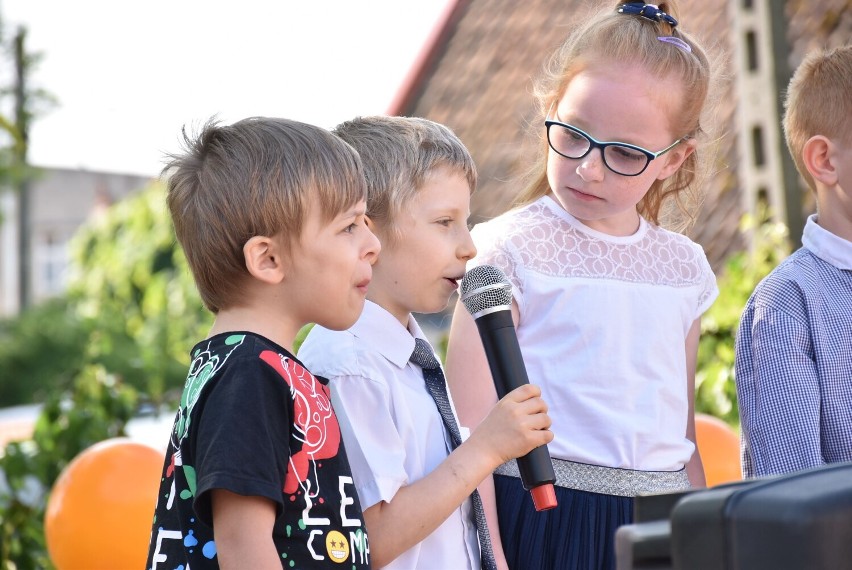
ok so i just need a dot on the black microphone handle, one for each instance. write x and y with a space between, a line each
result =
497 331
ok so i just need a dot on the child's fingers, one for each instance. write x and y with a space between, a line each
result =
524 392
546 436
529 414
529 406
536 430
540 421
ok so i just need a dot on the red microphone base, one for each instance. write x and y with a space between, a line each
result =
544 497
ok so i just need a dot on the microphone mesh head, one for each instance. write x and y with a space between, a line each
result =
485 287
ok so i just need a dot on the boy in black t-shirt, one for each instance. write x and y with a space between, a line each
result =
271 216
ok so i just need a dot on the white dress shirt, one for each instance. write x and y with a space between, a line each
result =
390 424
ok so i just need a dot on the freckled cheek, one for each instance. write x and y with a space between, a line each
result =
556 178
636 187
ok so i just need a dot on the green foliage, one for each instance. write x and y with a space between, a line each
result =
52 353
132 285
300 337
40 351
715 389
97 408
132 307
126 327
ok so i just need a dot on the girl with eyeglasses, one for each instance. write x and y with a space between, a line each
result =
606 301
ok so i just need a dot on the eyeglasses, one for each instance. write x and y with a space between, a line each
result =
622 158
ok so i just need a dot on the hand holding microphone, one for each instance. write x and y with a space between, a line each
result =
487 295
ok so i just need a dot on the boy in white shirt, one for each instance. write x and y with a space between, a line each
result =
414 481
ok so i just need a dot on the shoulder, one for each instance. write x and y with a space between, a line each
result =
681 258
793 280
242 377
335 354
243 364
509 241
681 245
227 354
515 222
330 353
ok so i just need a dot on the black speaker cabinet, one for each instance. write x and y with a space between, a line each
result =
800 521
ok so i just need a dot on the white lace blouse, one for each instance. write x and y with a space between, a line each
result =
603 325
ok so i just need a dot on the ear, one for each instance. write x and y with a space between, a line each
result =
818 158
265 259
675 157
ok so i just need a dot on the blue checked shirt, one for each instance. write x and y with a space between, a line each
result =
794 360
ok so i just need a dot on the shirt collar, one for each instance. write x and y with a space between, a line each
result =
386 335
827 246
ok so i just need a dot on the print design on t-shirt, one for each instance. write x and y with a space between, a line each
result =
314 423
315 426
203 367
314 441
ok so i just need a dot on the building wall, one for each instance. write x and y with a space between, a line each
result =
61 200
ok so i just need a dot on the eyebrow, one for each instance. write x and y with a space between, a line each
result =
586 130
354 211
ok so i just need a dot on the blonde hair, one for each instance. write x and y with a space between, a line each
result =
257 177
819 102
399 154
609 36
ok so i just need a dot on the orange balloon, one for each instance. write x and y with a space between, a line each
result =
719 446
101 507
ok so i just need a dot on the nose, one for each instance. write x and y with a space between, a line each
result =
372 247
466 249
591 167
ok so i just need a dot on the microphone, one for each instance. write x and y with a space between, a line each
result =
487 295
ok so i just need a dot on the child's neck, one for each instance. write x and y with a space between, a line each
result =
833 219
402 314
278 329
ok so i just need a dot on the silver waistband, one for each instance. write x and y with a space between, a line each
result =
608 480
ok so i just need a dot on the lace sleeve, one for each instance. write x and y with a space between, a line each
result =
710 290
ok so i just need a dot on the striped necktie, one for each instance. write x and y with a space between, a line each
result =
437 386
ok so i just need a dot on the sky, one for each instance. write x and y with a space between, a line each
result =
129 75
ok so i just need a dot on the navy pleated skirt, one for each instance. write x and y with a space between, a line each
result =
579 534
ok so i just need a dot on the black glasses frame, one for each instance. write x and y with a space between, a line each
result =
594 143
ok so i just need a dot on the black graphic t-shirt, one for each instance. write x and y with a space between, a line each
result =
252 420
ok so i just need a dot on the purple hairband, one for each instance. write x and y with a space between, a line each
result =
676 42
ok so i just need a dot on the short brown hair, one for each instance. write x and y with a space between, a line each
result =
256 177
399 155
819 102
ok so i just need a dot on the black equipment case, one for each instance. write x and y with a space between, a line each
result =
799 521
